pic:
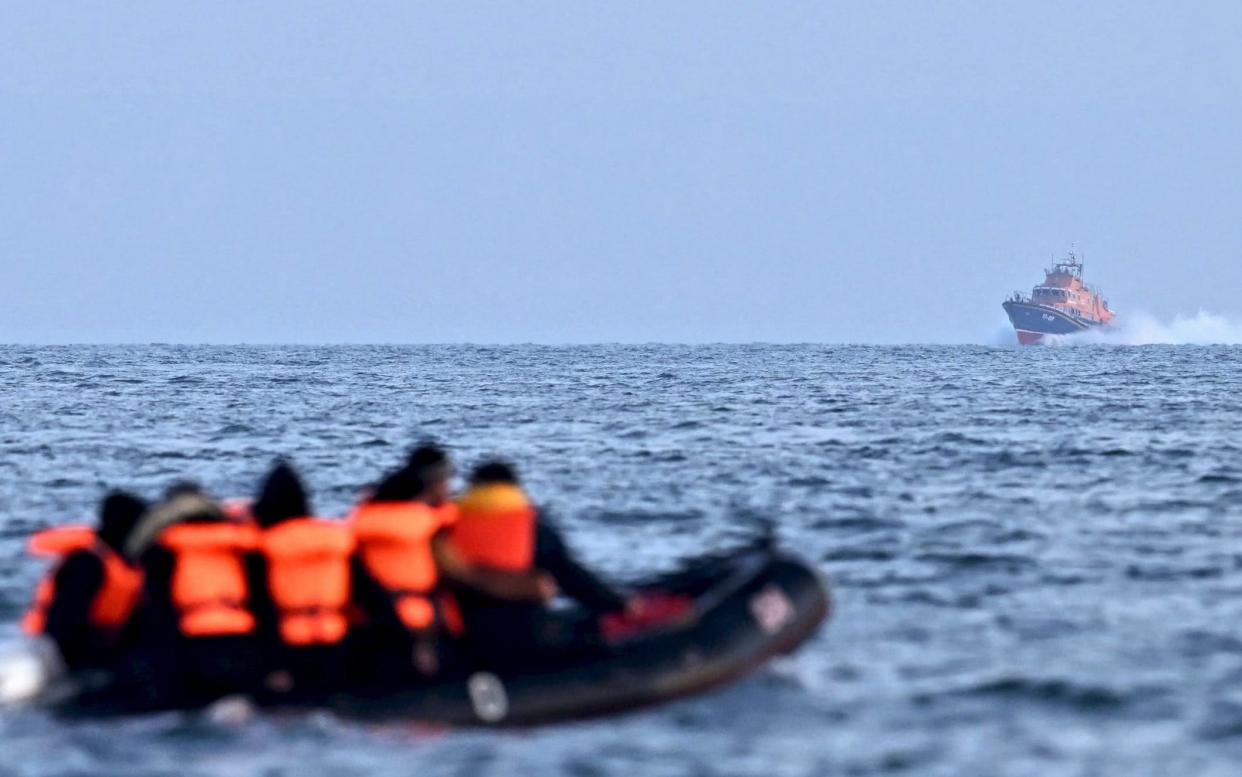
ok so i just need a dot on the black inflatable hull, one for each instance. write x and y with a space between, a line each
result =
747 608
764 606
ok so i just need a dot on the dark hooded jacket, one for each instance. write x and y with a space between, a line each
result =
77 582
281 497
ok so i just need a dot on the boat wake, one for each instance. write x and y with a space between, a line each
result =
1141 328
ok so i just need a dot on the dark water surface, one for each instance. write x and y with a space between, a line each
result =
1035 552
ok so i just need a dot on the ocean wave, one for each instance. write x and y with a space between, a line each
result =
1083 696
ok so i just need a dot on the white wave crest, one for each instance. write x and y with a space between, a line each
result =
1002 334
1142 328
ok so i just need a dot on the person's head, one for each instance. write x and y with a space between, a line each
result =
431 469
495 471
186 501
397 486
119 513
281 496
181 488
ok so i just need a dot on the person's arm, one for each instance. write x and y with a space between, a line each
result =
259 598
77 582
158 616
510 586
576 581
369 596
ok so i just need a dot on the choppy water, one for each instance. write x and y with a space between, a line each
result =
1035 552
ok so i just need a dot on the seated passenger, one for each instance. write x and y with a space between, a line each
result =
402 553
303 564
85 603
198 626
497 527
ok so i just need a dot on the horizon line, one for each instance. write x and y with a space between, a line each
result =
469 343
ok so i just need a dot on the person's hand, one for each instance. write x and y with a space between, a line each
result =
424 658
546 587
636 606
280 681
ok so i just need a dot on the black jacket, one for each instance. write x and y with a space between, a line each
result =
77 582
553 556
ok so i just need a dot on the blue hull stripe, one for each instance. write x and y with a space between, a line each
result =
1042 319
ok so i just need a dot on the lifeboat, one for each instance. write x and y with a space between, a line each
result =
1062 305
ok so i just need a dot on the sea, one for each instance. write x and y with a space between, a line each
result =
1035 553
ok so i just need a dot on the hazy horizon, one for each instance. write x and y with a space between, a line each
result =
888 173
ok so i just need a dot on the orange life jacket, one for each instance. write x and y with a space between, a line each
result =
118 593
209 588
496 527
394 544
308 578
446 513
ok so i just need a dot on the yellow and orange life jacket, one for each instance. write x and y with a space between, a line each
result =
308 579
209 588
118 593
394 545
496 527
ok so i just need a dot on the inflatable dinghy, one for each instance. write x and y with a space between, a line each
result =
715 621
744 610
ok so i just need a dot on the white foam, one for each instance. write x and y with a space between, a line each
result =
231 711
1142 328
27 668
1002 334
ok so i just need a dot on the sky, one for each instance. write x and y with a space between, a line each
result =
877 172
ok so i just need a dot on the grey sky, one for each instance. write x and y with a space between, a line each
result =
569 172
